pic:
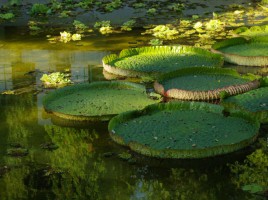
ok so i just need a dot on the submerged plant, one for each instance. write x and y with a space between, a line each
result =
55 79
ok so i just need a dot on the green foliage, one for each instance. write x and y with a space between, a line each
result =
177 7
151 11
252 31
127 26
7 16
55 79
79 26
139 5
156 42
113 5
85 4
102 24
14 2
163 32
104 27
251 175
39 9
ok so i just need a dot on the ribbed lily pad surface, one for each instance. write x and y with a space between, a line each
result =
183 130
96 101
151 61
203 83
252 52
254 102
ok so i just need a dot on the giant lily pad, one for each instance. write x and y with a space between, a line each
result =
254 102
253 31
241 51
96 101
202 83
183 130
151 61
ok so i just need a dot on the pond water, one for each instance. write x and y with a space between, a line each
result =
65 160
81 161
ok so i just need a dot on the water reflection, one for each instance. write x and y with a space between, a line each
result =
24 67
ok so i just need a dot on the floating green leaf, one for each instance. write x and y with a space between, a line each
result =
204 83
96 101
183 130
155 60
241 51
254 102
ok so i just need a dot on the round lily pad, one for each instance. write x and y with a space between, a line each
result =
203 83
151 61
254 102
183 130
241 51
97 101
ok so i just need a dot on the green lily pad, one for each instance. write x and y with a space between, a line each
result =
254 102
241 51
203 83
183 130
155 60
253 31
96 101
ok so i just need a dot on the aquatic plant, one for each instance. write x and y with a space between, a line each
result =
204 83
214 24
128 25
39 9
97 101
139 5
151 11
55 79
155 60
253 102
112 5
241 51
14 2
177 7
252 31
163 32
104 27
183 130
156 42
250 175
79 26
7 16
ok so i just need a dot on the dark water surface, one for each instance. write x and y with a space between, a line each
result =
59 160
